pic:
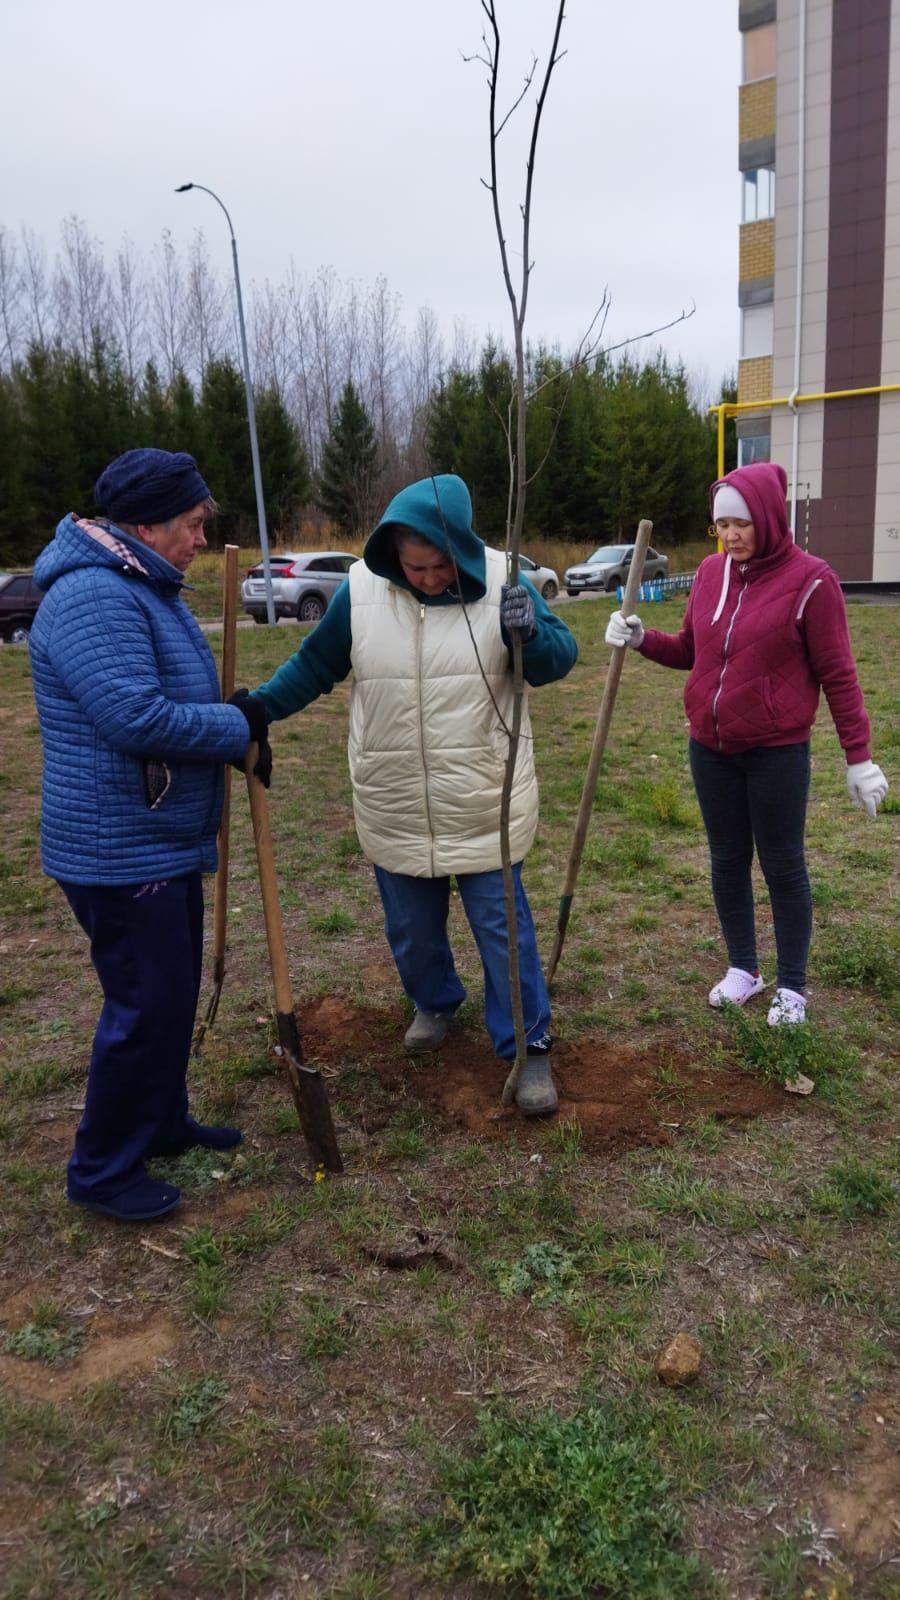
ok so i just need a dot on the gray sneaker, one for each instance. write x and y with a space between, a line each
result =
535 1092
426 1031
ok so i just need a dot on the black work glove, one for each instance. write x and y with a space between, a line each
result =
257 733
517 610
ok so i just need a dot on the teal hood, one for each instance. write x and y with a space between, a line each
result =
440 510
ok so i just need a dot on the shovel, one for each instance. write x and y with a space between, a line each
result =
307 1084
598 747
220 901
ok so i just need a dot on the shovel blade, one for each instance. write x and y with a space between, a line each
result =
310 1098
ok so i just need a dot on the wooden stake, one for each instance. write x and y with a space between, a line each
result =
598 747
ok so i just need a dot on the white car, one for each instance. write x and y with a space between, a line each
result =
544 578
303 582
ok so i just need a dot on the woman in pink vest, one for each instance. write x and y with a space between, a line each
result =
765 630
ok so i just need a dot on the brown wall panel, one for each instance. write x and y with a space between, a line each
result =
842 523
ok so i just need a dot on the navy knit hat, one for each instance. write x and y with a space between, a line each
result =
148 486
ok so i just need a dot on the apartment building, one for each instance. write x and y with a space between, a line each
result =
819 284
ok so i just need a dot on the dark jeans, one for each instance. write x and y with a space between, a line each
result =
415 921
147 950
758 797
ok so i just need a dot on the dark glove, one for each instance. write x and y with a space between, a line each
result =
517 610
257 733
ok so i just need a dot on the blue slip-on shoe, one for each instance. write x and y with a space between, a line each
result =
145 1200
199 1136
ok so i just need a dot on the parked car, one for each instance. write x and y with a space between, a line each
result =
303 582
544 578
608 567
19 600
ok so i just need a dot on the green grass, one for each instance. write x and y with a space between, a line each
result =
556 1506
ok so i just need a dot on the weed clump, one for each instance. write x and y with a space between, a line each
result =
556 1506
46 1338
780 1055
193 1408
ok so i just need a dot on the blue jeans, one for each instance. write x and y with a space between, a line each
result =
415 922
758 797
147 950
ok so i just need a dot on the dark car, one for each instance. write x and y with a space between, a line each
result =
608 568
303 582
19 600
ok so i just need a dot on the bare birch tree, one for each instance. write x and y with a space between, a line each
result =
129 306
204 305
167 309
81 286
12 319
36 288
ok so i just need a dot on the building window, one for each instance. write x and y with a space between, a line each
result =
759 53
759 194
757 331
753 448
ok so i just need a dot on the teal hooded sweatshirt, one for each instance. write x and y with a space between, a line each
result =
439 509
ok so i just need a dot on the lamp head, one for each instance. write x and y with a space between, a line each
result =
182 187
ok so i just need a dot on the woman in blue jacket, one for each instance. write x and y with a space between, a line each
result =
135 737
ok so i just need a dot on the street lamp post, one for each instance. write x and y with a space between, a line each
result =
251 409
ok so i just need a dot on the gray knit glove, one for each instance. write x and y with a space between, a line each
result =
517 610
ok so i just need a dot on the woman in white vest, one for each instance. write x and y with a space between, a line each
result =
424 622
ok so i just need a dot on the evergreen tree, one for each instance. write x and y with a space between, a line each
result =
287 485
348 478
50 476
153 420
17 542
224 450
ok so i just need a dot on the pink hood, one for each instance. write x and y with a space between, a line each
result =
764 487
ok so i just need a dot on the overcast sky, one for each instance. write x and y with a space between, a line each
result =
351 133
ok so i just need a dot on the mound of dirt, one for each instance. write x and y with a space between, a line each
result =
620 1097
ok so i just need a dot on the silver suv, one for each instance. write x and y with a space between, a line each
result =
608 568
303 582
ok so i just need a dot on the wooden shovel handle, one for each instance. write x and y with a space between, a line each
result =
598 747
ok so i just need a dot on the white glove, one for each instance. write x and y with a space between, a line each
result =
622 630
867 784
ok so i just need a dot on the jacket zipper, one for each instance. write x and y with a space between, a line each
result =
419 651
721 683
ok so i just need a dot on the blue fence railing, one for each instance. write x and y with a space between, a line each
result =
661 588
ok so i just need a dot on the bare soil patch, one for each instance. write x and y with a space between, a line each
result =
865 1509
610 1090
109 1357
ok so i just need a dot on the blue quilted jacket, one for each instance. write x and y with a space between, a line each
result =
134 731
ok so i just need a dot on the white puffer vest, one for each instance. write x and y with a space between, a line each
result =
427 747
